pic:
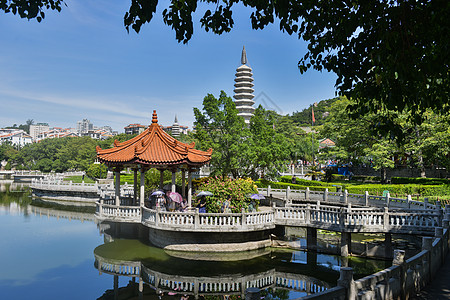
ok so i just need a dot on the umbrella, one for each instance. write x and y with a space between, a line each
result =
157 193
257 196
204 193
176 197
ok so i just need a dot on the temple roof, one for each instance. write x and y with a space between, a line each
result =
153 148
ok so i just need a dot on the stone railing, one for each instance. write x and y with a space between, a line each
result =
350 219
290 195
195 221
130 214
61 185
340 219
400 281
107 192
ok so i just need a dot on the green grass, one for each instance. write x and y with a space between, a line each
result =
79 179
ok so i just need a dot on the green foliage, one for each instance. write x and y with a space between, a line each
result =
58 155
304 182
321 111
400 189
238 149
408 180
30 9
221 129
79 179
224 187
97 171
284 185
383 52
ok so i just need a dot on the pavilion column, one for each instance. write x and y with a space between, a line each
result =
117 186
189 189
173 180
183 183
161 178
142 192
135 189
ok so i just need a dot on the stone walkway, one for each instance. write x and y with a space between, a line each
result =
439 288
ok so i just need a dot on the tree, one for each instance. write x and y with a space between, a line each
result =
388 55
30 9
270 148
221 129
358 141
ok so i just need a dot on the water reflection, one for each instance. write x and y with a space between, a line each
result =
151 272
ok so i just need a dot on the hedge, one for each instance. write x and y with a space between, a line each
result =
288 179
284 185
420 180
400 189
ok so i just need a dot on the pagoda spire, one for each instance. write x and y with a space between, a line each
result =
244 56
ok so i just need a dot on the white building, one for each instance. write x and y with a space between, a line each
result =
243 92
84 126
37 129
17 138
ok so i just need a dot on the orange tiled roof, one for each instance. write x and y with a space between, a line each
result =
153 147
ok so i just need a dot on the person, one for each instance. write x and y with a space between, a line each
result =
202 205
294 179
226 205
161 202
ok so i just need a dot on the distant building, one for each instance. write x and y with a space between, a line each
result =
176 129
84 126
324 143
134 128
37 129
56 132
17 137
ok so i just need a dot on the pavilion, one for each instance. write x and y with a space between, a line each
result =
153 148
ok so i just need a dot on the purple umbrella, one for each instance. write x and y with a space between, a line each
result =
257 196
155 193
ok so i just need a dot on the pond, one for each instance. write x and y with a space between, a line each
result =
53 252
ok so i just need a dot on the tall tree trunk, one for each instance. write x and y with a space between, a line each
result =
383 174
420 163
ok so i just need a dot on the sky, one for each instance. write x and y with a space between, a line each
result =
81 63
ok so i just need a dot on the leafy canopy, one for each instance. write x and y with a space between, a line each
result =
389 55
239 149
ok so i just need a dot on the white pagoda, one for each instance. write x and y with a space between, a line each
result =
243 92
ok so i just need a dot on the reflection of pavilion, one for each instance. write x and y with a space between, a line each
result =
206 284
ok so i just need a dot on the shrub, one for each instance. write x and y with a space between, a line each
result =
305 182
97 171
420 180
284 185
222 188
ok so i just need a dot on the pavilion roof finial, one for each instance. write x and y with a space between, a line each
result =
176 120
243 56
155 117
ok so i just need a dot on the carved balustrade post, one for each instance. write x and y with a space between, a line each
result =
439 212
399 260
346 281
386 218
325 195
244 219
